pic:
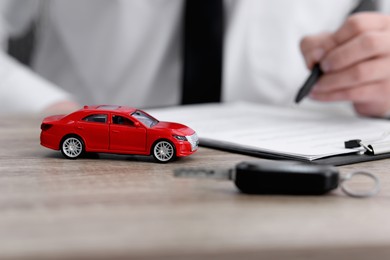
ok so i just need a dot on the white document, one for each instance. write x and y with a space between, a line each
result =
287 132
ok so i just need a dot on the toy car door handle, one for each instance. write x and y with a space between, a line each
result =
115 131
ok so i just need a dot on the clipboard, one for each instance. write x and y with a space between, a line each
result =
336 160
283 133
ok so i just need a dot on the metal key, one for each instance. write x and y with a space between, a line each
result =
278 177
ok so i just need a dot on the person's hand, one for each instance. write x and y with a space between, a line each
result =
61 107
356 63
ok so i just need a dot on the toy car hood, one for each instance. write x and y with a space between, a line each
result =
176 128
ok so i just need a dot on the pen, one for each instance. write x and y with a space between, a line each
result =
316 72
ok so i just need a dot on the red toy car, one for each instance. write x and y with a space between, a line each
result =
119 130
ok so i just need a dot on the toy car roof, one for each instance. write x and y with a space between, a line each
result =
110 108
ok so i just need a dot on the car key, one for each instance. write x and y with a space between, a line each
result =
281 178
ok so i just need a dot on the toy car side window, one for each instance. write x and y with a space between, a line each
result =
96 118
120 120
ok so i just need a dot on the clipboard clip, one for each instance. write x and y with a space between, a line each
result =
357 143
374 148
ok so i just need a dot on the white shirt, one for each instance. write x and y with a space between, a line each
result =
128 52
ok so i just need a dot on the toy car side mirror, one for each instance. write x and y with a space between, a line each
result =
137 124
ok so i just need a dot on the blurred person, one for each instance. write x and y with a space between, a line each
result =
129 52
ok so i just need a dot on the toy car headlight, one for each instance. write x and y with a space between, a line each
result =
180 137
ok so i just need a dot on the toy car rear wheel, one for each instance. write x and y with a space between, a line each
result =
72 147
164 151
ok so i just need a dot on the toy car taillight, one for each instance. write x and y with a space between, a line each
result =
45 127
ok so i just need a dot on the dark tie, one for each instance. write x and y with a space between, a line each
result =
202 54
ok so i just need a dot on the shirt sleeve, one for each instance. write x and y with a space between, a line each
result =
23 91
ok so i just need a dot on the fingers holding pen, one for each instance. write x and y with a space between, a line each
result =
373 70
366 85
362 36
355 64
364 46
315 47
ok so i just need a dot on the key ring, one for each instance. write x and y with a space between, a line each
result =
364 194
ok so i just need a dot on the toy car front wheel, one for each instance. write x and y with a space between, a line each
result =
164 151
72 147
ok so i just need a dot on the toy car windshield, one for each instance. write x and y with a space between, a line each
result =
145 119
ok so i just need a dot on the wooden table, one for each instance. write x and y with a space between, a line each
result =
128 207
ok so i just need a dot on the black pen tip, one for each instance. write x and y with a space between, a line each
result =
298 99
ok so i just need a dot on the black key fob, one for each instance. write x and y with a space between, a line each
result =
285 178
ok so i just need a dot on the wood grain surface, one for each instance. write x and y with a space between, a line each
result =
129 207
